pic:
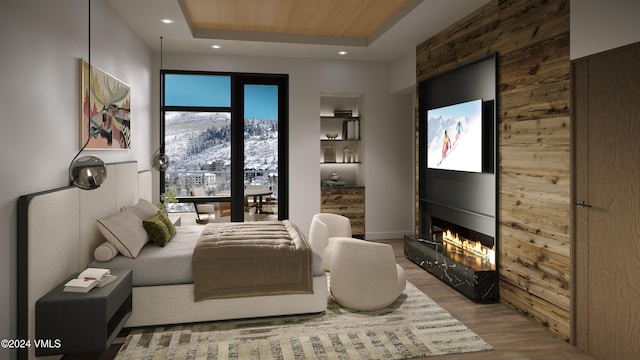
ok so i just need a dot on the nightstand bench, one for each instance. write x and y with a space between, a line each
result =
83 322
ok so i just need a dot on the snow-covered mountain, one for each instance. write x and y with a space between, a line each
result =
197 141
465 153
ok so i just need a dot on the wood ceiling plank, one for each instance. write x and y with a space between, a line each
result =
348 18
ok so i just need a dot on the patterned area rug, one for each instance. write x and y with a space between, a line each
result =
413 326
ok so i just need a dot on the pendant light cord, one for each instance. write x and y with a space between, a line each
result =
161 85
88 89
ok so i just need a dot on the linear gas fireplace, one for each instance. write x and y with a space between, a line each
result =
463 258
463 244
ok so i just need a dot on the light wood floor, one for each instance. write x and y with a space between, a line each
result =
512 334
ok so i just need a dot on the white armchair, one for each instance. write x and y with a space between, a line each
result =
364 275
325 227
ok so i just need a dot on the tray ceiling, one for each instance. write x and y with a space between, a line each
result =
372 30
344 22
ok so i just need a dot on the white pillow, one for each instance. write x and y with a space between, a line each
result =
144 209
105 252
125 231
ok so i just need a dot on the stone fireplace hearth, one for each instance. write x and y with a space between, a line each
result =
462 258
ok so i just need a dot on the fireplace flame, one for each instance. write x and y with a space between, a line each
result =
474 247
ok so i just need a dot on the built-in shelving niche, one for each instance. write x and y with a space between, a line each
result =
349 152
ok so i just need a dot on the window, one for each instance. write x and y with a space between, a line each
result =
225 133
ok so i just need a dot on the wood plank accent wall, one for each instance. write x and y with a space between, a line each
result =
534 139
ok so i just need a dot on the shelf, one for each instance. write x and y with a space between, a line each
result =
341 163
340 117
339 140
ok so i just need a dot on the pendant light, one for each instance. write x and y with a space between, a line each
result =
87 172
160 160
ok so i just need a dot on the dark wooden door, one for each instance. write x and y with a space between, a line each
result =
606 120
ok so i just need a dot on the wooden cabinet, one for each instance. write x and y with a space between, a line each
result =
346 201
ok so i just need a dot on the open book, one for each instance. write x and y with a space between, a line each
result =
88 279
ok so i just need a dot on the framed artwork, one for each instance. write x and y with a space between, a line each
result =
329 152
106 107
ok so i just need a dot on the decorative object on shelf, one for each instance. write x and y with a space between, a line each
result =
160 160
335 176
343 113
331 183
87 172
329 152
351 129
332 136
347 154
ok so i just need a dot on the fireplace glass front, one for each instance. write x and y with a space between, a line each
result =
461 257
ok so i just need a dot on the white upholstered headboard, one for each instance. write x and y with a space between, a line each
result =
57 234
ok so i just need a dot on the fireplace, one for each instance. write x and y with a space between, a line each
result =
461 257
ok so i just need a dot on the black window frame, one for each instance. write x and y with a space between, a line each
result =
238 81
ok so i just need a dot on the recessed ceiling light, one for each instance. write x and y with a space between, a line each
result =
216 46
342 52
167 21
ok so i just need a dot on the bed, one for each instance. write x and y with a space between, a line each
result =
57 236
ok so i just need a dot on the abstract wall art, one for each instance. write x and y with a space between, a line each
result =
106 107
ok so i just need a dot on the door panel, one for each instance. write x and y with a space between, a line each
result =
261 171
608 227
580 251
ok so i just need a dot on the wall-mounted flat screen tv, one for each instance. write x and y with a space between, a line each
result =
454 137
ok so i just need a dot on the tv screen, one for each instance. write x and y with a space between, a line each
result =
454 137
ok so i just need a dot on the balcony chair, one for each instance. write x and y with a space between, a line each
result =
203 208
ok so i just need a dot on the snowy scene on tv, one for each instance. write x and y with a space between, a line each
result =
454 137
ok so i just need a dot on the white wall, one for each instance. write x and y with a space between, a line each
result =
41 43
598 25
403 74
387 132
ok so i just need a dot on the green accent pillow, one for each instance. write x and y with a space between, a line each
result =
168 223
157 230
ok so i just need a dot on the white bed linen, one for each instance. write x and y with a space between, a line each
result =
156 265
171 264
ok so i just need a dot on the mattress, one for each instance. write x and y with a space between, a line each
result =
171 264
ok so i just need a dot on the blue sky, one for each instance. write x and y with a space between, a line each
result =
197 90
261 101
